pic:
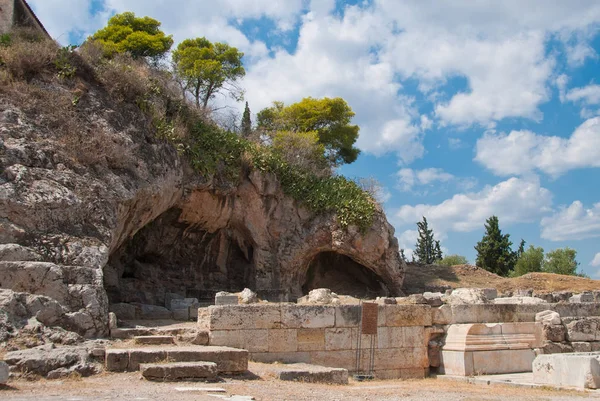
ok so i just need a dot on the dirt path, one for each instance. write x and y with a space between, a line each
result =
262 385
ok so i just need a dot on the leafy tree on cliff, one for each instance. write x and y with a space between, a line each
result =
561 261
529 261
329 118
494 251
209 68
138 36
427 248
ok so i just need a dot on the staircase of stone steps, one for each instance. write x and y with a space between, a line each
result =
189 334
170 363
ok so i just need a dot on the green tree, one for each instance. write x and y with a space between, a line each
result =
301 150
209 68
403 256
521 248
494 251
140 37
246 122
530 261
427 248
451 260
561 261
329 118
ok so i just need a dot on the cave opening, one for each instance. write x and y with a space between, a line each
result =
344 276
169 256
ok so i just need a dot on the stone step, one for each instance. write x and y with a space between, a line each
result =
313 374
183 334
179 371
153 340
228 360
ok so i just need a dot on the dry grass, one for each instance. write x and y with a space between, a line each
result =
28 55
434 277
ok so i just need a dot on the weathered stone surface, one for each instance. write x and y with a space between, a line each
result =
466 296
307 316
486 362
519 300
311 339
226 299
405 315
52 362
433 298
183 303
153 312
554 332
582 329
112 321
338 339
153 340
573 370
3 372
247 296
550 347
583 297
179 370
245 317
283 340
16 252
386 301
441 315
580 346
548 317
313 374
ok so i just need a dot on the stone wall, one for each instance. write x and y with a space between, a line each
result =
325 335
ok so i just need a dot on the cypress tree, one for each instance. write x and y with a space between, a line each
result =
246 122
427 248
494 251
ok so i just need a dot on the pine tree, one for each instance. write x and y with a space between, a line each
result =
521 249
494 251
246 122
427 248
403 256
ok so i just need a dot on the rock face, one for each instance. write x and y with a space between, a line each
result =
127 222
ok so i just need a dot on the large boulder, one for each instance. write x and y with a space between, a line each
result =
462 296
53 362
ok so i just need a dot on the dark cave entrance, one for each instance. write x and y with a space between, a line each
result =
170 256
344 276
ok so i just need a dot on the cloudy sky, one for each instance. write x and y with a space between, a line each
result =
467 108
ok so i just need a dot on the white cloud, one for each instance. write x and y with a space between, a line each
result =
596 261
513 201
589 95
572 223
522 152
408 178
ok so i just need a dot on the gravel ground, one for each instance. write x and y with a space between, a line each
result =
262 385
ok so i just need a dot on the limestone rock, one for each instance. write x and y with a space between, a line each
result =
16 252
433 298
112 321
247 296
53 362
124 311
554 332
320 296
3 372
582 329
548 317
386 301
461 296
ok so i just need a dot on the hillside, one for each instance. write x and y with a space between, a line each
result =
420 278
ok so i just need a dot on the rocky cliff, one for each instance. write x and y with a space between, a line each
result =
95 210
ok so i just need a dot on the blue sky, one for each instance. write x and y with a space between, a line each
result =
467 109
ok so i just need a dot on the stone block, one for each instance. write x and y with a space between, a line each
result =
311 339
434 299
112 321
490 293
313 374
227 338
334 359
456 363
579 346
433 353
441 315
123 311
550 347
203 318
401 358
405 374
572 370
256 340
226 300
519 300
583 297
228 360
390 337
283 340
502 361
245 317
412 337
365 340
184 303
307 316
548 317
116 360
577 309
3 372
179 371
407 315
141 355
154 340
595 345
554 332
182 315
153 312
169 296
347 316
584 329
338 339
283 357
